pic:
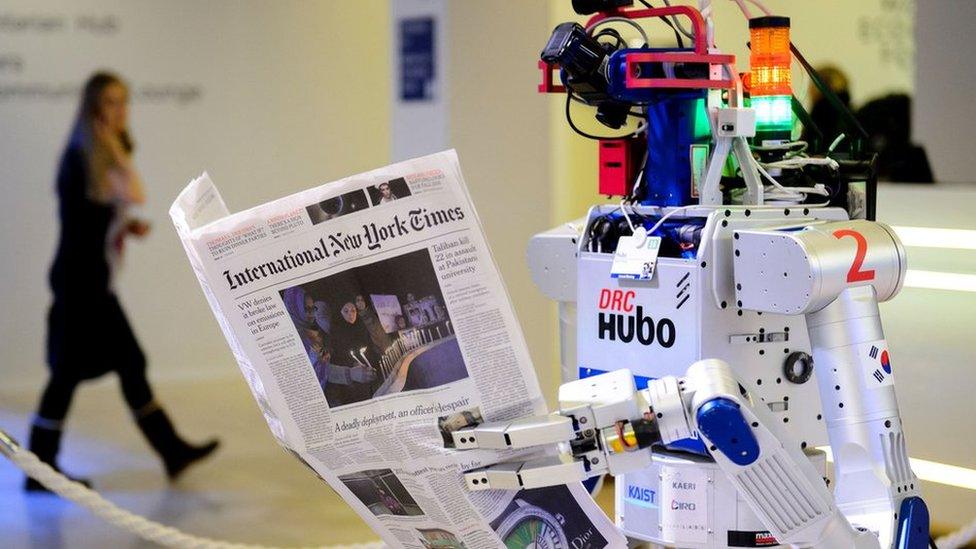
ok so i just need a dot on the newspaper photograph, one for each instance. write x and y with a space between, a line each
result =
370 322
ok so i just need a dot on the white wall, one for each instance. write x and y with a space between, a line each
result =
486 106
499 125
293 94
944 110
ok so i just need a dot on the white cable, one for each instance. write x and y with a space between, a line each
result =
705 8
623 209
146 529
761 7
743 8
677 22
666 216
798 162
835 142
794 160
639 179
800 146
764 173
631 22
787 193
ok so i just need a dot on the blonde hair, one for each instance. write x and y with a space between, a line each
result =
98 158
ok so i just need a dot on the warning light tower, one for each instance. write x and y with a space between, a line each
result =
769 79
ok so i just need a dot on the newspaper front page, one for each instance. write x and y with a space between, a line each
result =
369 320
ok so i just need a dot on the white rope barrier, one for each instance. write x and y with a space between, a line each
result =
960 538
146 529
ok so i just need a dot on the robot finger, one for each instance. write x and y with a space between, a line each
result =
537 473
520 433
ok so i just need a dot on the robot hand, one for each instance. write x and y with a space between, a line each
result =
600 424
605 425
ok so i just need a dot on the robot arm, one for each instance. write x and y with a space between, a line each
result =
611 427
836 274
766 465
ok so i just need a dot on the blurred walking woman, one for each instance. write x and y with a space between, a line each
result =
88 333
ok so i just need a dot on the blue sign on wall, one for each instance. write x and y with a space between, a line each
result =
417 59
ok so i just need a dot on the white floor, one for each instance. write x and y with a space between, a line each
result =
252 491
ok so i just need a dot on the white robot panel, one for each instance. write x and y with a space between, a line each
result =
683 500
689 311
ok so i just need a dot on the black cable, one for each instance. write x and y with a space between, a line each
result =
612 33
569 119
575 128
591 231
638 114
637 184
854 127
932 543
677 35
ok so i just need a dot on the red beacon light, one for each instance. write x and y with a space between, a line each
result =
770 80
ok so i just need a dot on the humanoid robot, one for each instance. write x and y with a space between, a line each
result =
721 322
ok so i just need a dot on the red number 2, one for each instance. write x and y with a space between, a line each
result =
856 274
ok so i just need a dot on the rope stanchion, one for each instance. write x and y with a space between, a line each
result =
146 529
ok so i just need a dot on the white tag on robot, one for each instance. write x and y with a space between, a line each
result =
636 256
684 499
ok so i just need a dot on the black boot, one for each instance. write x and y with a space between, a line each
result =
45 441
176 453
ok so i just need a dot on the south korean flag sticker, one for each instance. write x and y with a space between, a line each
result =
877 364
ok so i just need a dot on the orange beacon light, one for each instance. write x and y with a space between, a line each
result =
770 80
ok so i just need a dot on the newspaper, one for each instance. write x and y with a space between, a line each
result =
369 320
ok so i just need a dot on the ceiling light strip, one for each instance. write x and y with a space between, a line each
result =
932 237
935 280
933 471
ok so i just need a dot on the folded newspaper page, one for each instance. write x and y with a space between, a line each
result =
369 320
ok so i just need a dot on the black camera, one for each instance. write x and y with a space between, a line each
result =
581 57
584 63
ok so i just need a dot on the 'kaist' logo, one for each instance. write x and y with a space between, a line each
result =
641 496
617 326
